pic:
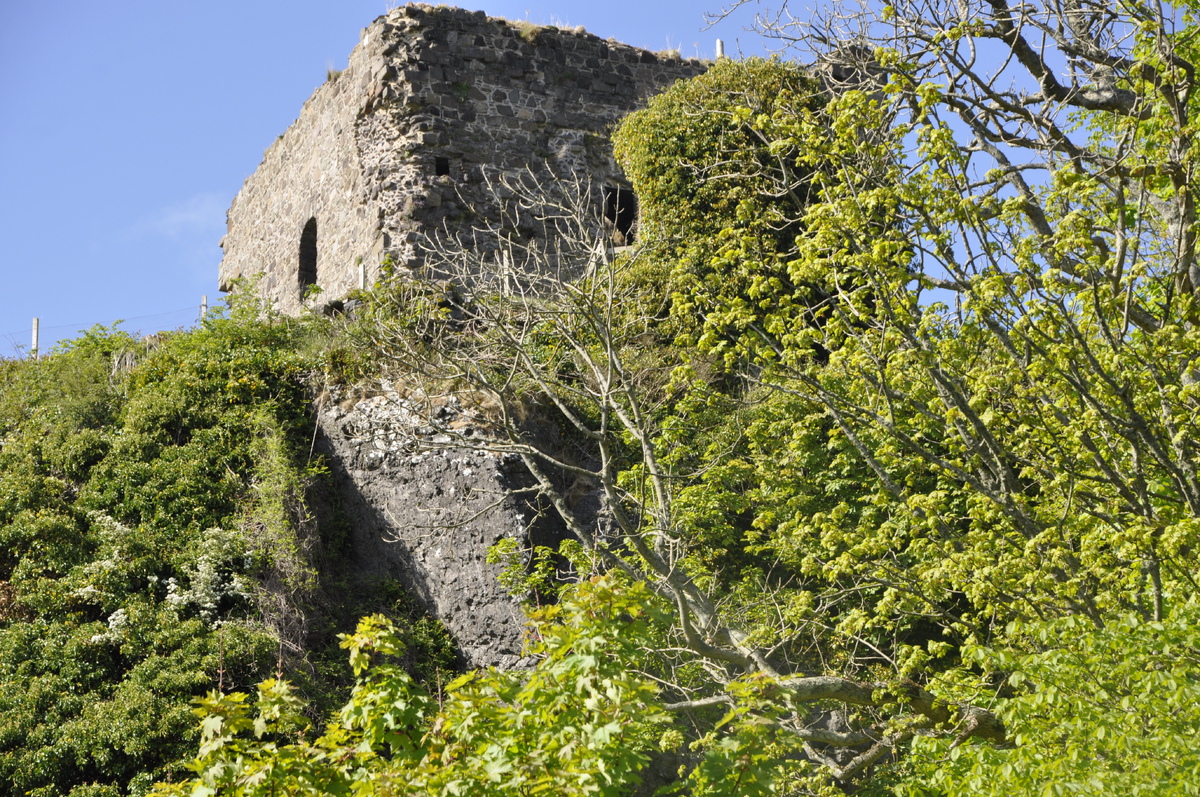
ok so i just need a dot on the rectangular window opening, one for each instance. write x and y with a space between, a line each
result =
621 214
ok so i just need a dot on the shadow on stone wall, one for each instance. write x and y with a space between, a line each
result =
427 519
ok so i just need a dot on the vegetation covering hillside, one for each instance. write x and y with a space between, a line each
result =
157 543
895 420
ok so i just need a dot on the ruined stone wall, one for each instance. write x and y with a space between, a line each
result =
401 144
426 513
312 171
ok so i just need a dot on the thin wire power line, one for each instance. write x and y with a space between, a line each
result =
17 341
94 323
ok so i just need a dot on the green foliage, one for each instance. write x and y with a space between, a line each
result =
720 196
896 484
933 482
156 542
579 722
527 574
697 164
123 466
1091 711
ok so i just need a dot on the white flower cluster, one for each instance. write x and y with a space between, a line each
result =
118 626
214 577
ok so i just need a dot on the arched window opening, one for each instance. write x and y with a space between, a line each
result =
621 213
308 256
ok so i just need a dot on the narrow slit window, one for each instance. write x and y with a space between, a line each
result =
441 167
621 213
308 255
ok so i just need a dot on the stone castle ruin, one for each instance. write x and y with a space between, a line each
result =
435 105
438 110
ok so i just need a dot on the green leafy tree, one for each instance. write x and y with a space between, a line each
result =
1020 384
98 661
579 722
1112 710
720 202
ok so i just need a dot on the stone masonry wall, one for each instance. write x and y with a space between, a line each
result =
313 170
400 143
426 513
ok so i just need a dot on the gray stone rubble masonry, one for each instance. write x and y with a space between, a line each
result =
401 143
425 512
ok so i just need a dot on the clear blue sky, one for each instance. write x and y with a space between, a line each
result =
127 126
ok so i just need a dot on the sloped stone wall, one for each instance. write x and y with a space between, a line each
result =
399 145
426 513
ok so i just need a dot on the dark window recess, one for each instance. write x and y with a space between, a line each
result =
621 213
441 167
308 255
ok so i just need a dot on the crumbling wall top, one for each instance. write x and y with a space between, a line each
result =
398 145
